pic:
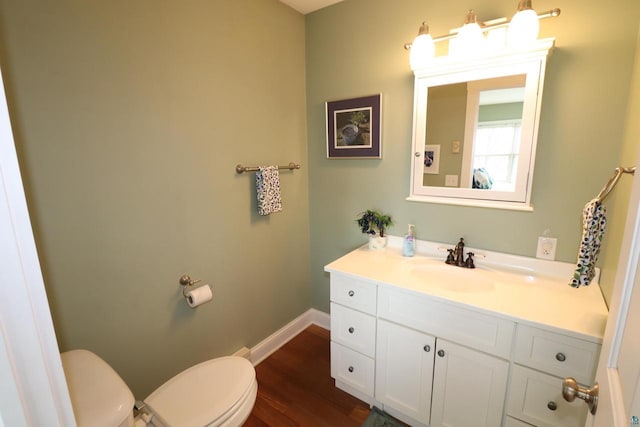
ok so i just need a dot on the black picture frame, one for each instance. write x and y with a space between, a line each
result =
353 128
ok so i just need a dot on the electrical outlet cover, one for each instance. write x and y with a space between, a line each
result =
451 180
547 248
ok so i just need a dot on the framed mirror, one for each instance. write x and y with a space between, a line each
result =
476 128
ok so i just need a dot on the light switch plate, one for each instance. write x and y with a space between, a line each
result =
547 248
455 146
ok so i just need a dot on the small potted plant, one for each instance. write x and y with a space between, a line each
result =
374 224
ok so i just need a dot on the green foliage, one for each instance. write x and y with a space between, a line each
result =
373 222
357 117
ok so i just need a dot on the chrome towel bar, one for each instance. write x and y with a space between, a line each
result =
242 169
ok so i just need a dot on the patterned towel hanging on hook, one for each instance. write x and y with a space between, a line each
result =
594 223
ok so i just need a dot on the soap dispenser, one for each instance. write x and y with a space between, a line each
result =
409 242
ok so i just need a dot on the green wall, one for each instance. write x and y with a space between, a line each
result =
354 48
506 111
618 200
129 119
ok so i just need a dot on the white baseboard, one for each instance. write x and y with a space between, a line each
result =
243 352
279 338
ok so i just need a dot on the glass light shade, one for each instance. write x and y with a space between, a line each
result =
523 28
422 51
470 40
496 38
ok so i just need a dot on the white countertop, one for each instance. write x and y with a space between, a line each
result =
526 290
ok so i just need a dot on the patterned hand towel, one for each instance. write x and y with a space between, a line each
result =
594 222
481 179
268 190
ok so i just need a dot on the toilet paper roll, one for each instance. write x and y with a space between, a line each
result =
199 296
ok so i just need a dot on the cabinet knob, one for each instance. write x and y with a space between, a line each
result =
441 353
560 357
351 330
350 368
427 348
552 405
351 293
417 154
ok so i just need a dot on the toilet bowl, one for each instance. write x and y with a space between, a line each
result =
217 392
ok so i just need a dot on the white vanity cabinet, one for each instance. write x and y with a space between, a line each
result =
469 348
542 359
468 387
429 369
353 334
430 380
404 370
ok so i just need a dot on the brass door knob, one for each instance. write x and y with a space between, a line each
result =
571 390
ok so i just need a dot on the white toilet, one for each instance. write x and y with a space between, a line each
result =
218 392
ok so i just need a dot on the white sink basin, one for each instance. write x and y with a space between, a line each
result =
454 278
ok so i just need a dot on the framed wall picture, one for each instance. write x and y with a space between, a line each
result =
431 159
353 128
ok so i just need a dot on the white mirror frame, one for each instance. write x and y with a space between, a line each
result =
530 61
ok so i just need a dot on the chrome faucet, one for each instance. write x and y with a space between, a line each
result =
456 256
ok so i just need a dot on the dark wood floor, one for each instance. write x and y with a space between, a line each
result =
295 387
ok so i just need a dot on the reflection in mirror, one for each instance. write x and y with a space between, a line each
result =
492 133
496 142
475 131
482 121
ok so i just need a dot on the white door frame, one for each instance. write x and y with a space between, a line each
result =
611 410
33 389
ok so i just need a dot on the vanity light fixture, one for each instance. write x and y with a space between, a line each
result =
470 40
524 25
422 48
475 38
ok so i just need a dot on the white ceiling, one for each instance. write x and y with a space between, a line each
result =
308 6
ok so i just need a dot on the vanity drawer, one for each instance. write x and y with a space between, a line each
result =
352 368
556 354
483 332
534 396
353 329
353 293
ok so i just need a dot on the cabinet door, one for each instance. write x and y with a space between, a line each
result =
404 370
536 398
469 387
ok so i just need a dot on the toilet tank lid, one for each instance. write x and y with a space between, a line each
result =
204 393
98 395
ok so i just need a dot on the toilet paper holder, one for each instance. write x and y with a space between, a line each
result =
186 281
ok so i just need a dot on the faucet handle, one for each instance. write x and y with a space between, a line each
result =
469 262
451 259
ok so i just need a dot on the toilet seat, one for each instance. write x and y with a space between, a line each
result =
213 393
98 394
